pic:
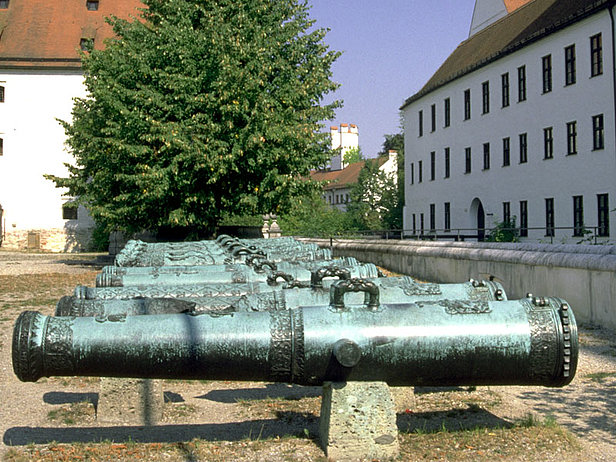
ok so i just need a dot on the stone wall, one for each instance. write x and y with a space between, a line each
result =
584 275
67 239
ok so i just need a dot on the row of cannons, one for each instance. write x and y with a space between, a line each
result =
279 310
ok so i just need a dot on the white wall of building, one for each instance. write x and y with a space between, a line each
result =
586 173
33 142
344 138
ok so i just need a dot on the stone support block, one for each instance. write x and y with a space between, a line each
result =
358 421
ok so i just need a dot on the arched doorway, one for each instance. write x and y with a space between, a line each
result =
478 218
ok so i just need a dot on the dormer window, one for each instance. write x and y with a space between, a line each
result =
91 5
4 4
86 44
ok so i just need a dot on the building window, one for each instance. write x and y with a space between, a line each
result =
447 163
549 217
596 55
467 104
570 65
603 218
486 156
507 212
414 224
506 152
420 171
421 223
433 118
505 89
447 209
69 211
447 110
467 160
485 92
4 4
523 219
548 143
578 215
420 123
432 218
521 83
597 132
571 138
1 146
92 5
523 137
547 73
1 94
432 166
86 44
412 173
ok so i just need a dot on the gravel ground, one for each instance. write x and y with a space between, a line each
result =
225 411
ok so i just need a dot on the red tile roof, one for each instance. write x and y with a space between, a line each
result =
340 179
47 33
513 5
522 27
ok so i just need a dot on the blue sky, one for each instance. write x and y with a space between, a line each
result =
390 49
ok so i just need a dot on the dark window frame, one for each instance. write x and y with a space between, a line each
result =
596 55
2 93
549 217
546 66
447 162
572 138
467 160
485 97
521 84
419 171
447 216
578 216
548 143
486 156
92 5
603 215
4 4
523 140
506 212
447 111
70 211
433 118
467 104
523 218
432 218
412 173
506 151
432 165
598 132
505 89
570 71
420 121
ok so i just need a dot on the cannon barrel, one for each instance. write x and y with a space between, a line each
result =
391 290
429 343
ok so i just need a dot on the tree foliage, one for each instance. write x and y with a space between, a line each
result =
200 108
352 155
373 198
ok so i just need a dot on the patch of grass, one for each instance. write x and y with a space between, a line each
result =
599 377
73 413
538 441
178 411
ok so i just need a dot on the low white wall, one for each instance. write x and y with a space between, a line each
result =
585 276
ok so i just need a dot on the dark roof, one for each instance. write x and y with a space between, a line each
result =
510 33
44 33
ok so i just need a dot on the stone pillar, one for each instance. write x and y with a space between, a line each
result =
358 421
130 401
274 229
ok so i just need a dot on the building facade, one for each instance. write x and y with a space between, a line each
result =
344 138
519 124
40 74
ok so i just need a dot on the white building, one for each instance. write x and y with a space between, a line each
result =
344 138
518 122
40 74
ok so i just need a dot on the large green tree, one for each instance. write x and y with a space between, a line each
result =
198 108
